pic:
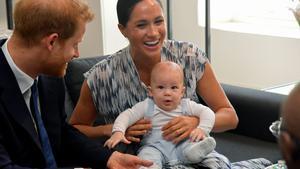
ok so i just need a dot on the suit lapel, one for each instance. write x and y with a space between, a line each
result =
20 113
13 100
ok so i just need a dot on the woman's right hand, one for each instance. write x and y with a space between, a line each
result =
138 129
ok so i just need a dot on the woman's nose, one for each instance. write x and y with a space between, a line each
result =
152 31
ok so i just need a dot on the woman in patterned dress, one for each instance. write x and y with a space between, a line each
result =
120 81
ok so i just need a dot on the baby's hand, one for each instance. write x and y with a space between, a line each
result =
197 135
115 138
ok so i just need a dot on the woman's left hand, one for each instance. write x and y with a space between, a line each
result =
179 128
138 129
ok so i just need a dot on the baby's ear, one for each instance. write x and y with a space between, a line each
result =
183 90
149 91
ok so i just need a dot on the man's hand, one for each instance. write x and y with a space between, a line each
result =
115 139
179 128
138 129
126 161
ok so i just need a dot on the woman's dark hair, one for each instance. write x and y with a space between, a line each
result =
124 10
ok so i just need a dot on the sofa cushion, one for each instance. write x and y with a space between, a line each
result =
238 147
256 110
74 78
74 74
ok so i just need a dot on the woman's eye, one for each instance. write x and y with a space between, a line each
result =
141 25
158 22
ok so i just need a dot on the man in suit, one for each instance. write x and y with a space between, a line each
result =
289 137
33 130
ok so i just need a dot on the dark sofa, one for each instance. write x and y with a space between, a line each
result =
256 110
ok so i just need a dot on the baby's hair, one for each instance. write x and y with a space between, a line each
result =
168 65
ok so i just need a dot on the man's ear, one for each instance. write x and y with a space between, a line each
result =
286 146
50 40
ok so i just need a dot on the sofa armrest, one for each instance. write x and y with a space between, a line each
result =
256 110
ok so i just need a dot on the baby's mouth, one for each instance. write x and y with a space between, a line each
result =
168 101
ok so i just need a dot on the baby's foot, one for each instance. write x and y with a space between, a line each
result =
195 152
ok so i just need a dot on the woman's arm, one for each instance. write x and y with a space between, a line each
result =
85 114
212 93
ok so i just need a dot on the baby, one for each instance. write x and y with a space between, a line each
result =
165 102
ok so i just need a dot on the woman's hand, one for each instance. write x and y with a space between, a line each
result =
179 128
138 129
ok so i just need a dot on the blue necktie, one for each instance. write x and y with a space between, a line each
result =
46 148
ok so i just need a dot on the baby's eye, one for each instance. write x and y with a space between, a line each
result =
160 87
174 87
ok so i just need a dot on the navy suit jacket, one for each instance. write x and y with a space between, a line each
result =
19 143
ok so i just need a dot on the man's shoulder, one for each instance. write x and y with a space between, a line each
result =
2 41
6 74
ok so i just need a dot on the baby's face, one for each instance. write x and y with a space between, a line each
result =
167 89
